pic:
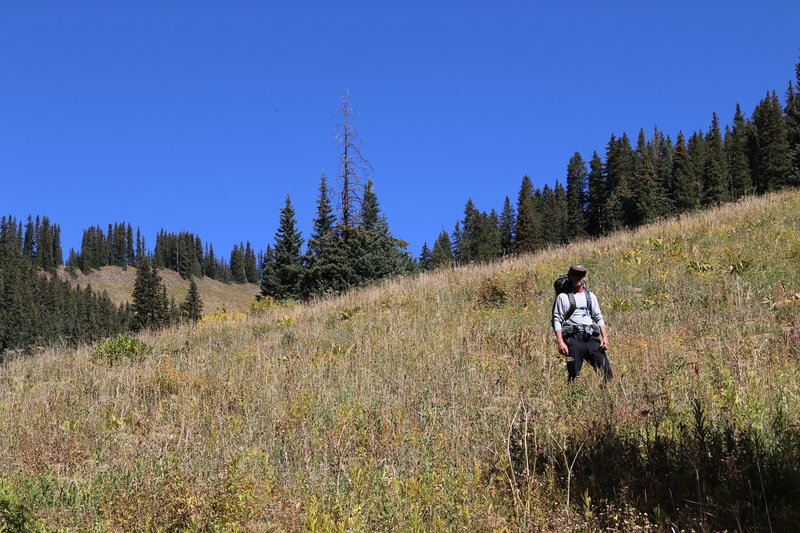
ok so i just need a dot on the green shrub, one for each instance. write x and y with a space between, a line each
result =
15 516
123 348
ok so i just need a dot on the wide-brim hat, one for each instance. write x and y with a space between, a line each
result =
578 270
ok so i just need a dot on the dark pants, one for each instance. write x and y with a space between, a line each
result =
586 349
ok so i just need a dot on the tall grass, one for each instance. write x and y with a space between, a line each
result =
440 403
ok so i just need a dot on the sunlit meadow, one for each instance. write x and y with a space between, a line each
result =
440 403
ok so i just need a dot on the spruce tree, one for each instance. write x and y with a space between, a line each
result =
684 192
282 275
29 241
596 197
554 214
663 152
739 175
640 196
186 263
150 305
425 257
773 166
620 181
576 196
442 254
713 176
250 270
327 268
237 265
130 253
793 128
374 254
141 252
456 241
192 307
470 237
507 227
527 232
210 262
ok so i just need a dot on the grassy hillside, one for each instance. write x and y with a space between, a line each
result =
440 403
118 283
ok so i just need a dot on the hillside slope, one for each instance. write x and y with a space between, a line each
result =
118 283
439 403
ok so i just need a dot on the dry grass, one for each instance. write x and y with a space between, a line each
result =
118 283
439 403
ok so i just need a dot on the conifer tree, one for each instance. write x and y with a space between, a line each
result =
456 241
141 252
186 262
663 151
250 270
554 215
323 230
237 265
713 176
596 197
739 175
29 244
684 190
150 305
425 257
528 232
130 254
576 196
470 234
507 227
192 307
120 245
773 166
793 128
327 268
282 275
620 180
210 262
374 254
639 197
442 254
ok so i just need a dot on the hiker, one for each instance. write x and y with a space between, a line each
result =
578 323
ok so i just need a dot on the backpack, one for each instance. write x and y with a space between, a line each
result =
563 284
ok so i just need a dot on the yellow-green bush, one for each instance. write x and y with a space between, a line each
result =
122 348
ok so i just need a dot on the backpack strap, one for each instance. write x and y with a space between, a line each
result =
588 301
572 306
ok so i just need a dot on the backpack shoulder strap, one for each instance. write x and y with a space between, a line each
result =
572 306
588 301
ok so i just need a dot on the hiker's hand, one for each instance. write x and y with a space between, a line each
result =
563 349
604 343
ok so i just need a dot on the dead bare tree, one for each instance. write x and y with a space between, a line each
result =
354 169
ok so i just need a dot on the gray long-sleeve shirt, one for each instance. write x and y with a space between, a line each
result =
581 315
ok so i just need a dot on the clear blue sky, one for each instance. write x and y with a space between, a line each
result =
202 116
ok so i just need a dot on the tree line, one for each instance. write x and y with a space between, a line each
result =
635 185
38 308
182 252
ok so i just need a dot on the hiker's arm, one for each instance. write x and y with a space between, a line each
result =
558 318
597 316
563 349
604 337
